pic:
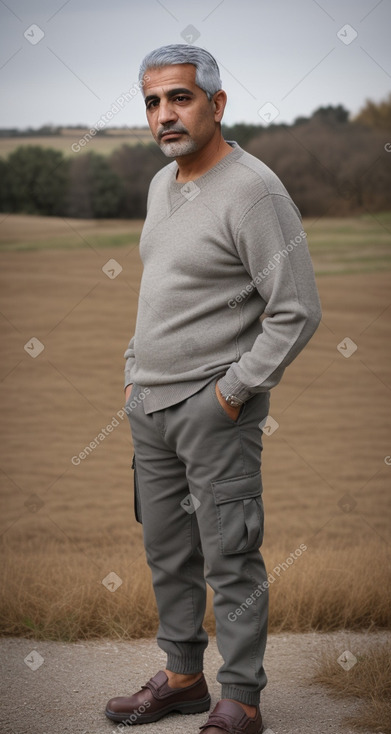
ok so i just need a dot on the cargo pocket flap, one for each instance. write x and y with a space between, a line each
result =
237 488
239 510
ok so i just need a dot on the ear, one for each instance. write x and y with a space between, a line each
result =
219 100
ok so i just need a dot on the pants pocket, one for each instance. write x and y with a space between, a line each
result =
239 508
136 496
220 408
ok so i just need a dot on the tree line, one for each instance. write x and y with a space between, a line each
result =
329 164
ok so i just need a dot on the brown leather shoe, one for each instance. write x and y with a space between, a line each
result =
229 716
156 699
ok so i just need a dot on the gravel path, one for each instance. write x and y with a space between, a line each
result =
66 692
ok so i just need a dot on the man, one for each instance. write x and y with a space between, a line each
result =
222 245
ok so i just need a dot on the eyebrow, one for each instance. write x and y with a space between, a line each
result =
170 93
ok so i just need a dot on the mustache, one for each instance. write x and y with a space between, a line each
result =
171 129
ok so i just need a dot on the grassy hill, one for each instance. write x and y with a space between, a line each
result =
103 143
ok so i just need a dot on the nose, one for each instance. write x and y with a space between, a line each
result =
166 112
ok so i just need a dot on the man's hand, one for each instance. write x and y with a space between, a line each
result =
128 390
229 409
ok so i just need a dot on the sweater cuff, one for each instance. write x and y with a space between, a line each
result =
128 372
230 385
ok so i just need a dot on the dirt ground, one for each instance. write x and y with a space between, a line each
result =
63 688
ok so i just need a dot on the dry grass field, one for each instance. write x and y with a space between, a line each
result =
103 144
65 526
368 680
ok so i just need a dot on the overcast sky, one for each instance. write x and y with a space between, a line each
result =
78 57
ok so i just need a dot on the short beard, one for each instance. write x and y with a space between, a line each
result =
176 149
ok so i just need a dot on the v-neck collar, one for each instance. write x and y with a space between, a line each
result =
176 196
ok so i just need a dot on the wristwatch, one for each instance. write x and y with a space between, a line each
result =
234 401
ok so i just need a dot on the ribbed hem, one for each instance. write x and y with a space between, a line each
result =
251 698
189 663
163 396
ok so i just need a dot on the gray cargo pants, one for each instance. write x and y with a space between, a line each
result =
198 494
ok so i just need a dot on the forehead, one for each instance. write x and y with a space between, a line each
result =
169 77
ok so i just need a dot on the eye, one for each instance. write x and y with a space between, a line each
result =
181 98
152 103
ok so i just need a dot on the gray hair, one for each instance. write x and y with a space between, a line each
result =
207 72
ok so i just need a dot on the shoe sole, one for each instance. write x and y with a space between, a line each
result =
191 707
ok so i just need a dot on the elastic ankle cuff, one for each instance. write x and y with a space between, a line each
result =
186 664
251 698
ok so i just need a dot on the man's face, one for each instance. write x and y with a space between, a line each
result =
179 113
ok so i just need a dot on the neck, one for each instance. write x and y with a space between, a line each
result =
195 164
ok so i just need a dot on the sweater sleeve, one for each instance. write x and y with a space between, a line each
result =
130 360
130 357
273 248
